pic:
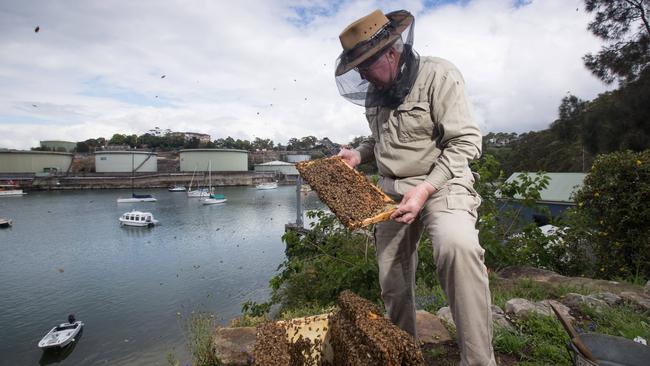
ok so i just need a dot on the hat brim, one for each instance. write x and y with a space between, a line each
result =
402 21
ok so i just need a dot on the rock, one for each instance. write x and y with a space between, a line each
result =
608 297
445 314
234 346
523 307
500 319
646 289
576 301
637 300
430 328
517 272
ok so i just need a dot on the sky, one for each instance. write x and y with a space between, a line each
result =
265 68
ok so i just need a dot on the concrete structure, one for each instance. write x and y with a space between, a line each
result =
125 161
295 158
18 161
222 160
279 167
59 146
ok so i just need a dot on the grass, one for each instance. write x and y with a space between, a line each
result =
198 329
620 321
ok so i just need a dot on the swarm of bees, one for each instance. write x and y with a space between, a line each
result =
361 337
355 201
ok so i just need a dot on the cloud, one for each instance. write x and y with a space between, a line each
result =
265 69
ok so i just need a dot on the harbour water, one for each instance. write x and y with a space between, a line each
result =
133 287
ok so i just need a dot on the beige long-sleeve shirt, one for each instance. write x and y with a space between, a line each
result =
432 135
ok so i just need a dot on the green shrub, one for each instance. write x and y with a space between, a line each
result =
614 203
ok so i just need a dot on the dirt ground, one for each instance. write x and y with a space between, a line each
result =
448 354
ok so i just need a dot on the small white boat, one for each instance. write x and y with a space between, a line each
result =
5 222
137 218
137 198
61 335
214 199
10 190
177 189
269 185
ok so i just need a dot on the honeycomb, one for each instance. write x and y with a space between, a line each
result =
355 201
361 336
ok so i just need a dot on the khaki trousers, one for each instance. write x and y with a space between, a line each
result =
449 216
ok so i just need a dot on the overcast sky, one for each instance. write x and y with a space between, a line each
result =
266 68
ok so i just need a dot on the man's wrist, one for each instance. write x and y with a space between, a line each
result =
428 188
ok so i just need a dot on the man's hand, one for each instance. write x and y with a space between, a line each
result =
352 157
412 203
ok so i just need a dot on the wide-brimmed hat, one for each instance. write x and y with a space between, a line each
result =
369 35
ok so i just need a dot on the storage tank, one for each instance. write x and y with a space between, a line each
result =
280 167
296 158
222 160
125 161
57 145
23 161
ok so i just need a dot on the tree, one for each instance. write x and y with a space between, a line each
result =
569 125
625 26
118 139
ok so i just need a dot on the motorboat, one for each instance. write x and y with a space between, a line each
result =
61 335
5 222
177 189
214 199
137 218
10 190
137 198
268 185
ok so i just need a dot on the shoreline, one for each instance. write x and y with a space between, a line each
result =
92 181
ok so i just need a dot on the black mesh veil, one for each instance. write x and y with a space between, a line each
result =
353 87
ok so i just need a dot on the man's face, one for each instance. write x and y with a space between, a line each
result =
380 71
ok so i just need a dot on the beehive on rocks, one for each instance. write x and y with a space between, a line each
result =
355 201
361 336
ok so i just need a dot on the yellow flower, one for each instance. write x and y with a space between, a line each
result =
596 194
580 204
602 269
638 162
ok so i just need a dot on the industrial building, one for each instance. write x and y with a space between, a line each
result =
125 161
296 158
60 146
221 160
19 161
279 167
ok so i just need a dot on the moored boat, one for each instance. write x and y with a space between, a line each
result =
214 199
268 185
10 190
138 219
61 335
177 189
5 222
137 198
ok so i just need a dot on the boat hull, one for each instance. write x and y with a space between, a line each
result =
12 193
131 200
212 201
59 339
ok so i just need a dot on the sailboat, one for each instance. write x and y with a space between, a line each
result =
135 197
198 192
212 198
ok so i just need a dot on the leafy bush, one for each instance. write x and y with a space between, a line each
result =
614 204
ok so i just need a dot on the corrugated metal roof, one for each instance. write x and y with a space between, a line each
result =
560 186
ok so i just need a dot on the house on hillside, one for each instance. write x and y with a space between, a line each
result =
556 196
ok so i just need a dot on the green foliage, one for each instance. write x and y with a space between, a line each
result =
322 263
624 26
619 320
538 340
198 329
613 203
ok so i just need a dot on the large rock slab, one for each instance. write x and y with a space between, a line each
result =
636 299
608 297
499 317
577 301
537 274
234 346
430 329
522 308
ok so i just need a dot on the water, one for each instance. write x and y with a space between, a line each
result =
67 254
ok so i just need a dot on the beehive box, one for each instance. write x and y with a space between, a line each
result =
355 201
356 334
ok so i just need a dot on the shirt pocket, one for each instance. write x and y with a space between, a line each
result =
414 122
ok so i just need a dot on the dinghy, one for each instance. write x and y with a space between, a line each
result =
61 335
